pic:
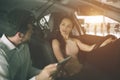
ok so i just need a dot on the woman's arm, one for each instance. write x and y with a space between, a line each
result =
57 50
84 47
107 41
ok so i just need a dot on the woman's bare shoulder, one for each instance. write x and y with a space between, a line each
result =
75 39
55 41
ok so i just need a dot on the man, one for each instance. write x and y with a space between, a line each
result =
15 63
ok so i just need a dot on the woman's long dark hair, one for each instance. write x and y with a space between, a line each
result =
57 35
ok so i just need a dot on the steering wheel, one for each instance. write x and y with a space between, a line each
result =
103 40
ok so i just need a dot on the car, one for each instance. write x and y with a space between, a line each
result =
47 13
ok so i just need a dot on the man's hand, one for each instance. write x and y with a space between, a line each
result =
46 73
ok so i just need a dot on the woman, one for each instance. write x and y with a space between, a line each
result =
65 45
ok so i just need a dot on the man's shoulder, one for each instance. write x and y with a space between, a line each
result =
3 47
3 56
1 44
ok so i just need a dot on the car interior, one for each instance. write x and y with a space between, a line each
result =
47 13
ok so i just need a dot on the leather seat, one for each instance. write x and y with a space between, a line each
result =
40 49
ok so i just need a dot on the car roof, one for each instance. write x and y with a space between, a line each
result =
86 7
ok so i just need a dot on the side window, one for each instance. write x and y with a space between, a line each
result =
75 32
44 26
43 22
99 25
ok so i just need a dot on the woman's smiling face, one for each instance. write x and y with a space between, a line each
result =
66 26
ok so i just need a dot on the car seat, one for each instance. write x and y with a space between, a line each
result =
40 48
